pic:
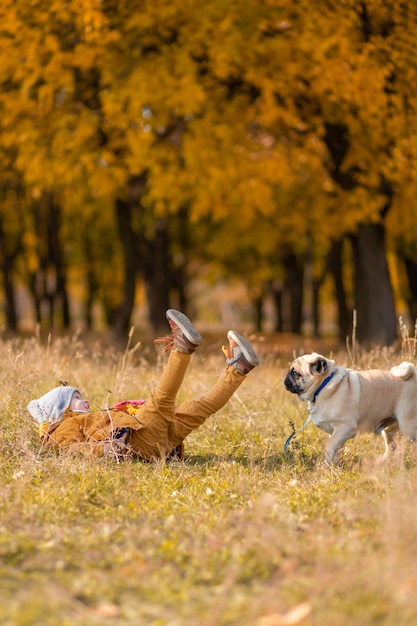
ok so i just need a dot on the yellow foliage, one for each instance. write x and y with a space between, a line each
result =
223 107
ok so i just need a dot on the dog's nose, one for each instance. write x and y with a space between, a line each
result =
290 385
288 382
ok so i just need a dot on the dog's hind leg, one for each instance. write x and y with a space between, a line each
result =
408 426
388 435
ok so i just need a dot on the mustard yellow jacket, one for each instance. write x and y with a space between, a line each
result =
89 432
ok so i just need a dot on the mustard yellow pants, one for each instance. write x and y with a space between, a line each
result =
166 423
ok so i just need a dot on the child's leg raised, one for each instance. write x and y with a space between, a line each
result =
159 409
189 415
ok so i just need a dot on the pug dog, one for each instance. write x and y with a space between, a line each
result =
343 402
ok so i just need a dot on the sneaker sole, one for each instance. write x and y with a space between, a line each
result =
185 325
246 347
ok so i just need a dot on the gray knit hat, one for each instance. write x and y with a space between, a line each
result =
50 406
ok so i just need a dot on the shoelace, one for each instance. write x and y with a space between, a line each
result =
231 358
228 352
170 341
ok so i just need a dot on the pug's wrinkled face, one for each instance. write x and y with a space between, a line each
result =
306 374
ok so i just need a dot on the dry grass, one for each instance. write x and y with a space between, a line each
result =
241 533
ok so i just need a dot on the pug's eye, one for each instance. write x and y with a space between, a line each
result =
295 374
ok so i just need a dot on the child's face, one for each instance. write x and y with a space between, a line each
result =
78 404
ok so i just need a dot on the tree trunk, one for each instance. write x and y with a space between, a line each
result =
120 318
156 274
293 292
315 305
179 265
7 271
11 314
258 303
374 298
411 271
59 295
91 282
335 265
276 290
48 283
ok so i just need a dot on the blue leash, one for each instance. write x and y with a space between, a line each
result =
295 432
323 384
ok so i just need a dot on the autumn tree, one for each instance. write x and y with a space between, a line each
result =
332 106
280 130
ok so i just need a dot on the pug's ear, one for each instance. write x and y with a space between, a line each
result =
319 366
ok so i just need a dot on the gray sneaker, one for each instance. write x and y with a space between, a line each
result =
185 337
240 353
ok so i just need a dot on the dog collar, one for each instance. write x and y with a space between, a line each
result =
322 386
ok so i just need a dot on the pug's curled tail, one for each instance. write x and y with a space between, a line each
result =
404 371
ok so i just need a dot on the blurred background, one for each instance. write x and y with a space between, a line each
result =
253 163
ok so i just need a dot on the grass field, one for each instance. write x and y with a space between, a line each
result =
240 533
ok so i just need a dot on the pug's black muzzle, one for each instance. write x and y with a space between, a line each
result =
291 384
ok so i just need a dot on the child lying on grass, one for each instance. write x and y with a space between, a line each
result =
152 429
